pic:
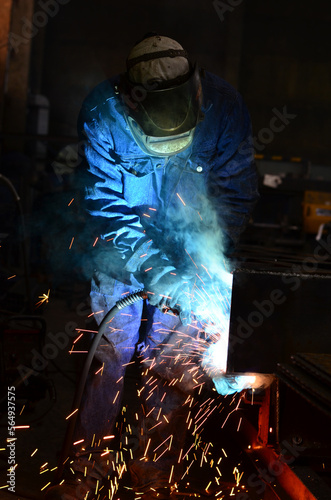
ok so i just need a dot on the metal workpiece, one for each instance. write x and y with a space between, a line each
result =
275 314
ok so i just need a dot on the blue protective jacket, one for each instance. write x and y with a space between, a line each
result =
147 210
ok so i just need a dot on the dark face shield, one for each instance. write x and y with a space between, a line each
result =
162 120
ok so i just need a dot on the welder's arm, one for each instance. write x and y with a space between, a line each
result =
125 246
232 183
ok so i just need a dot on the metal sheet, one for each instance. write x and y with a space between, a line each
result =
275 315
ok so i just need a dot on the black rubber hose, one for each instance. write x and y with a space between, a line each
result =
120 304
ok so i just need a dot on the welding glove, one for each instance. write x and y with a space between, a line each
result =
169 289
230 383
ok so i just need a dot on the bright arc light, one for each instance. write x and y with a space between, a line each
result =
216 313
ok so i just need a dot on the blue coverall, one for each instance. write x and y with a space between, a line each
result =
143 210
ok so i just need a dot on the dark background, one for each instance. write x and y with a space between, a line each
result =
277 53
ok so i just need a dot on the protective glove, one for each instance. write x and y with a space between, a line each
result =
170 290
230 383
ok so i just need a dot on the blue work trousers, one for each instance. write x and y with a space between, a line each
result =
169 365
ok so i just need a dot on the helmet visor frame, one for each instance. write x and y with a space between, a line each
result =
164 109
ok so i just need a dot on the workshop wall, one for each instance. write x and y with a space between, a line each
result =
276 53
89 41
286 62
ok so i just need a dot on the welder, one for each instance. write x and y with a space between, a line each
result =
168 161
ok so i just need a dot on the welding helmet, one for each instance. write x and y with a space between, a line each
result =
162 94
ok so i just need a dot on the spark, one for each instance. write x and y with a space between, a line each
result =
147 446
95 241
188 451
191 258
10 277
181 200
206 270
45 486
187 469
206 489
146 272
100 369
236 408
150 208
154 426
71 414
34 452
130 363
95 313
105 453
77 442
44 299
70 202
89 331
72 240
169 437
171 472
239 424
151 411
21 427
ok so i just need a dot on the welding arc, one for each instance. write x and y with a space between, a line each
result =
120 304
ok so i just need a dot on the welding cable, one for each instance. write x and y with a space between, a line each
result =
120 304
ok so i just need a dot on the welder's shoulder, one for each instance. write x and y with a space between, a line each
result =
216 88
101 99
